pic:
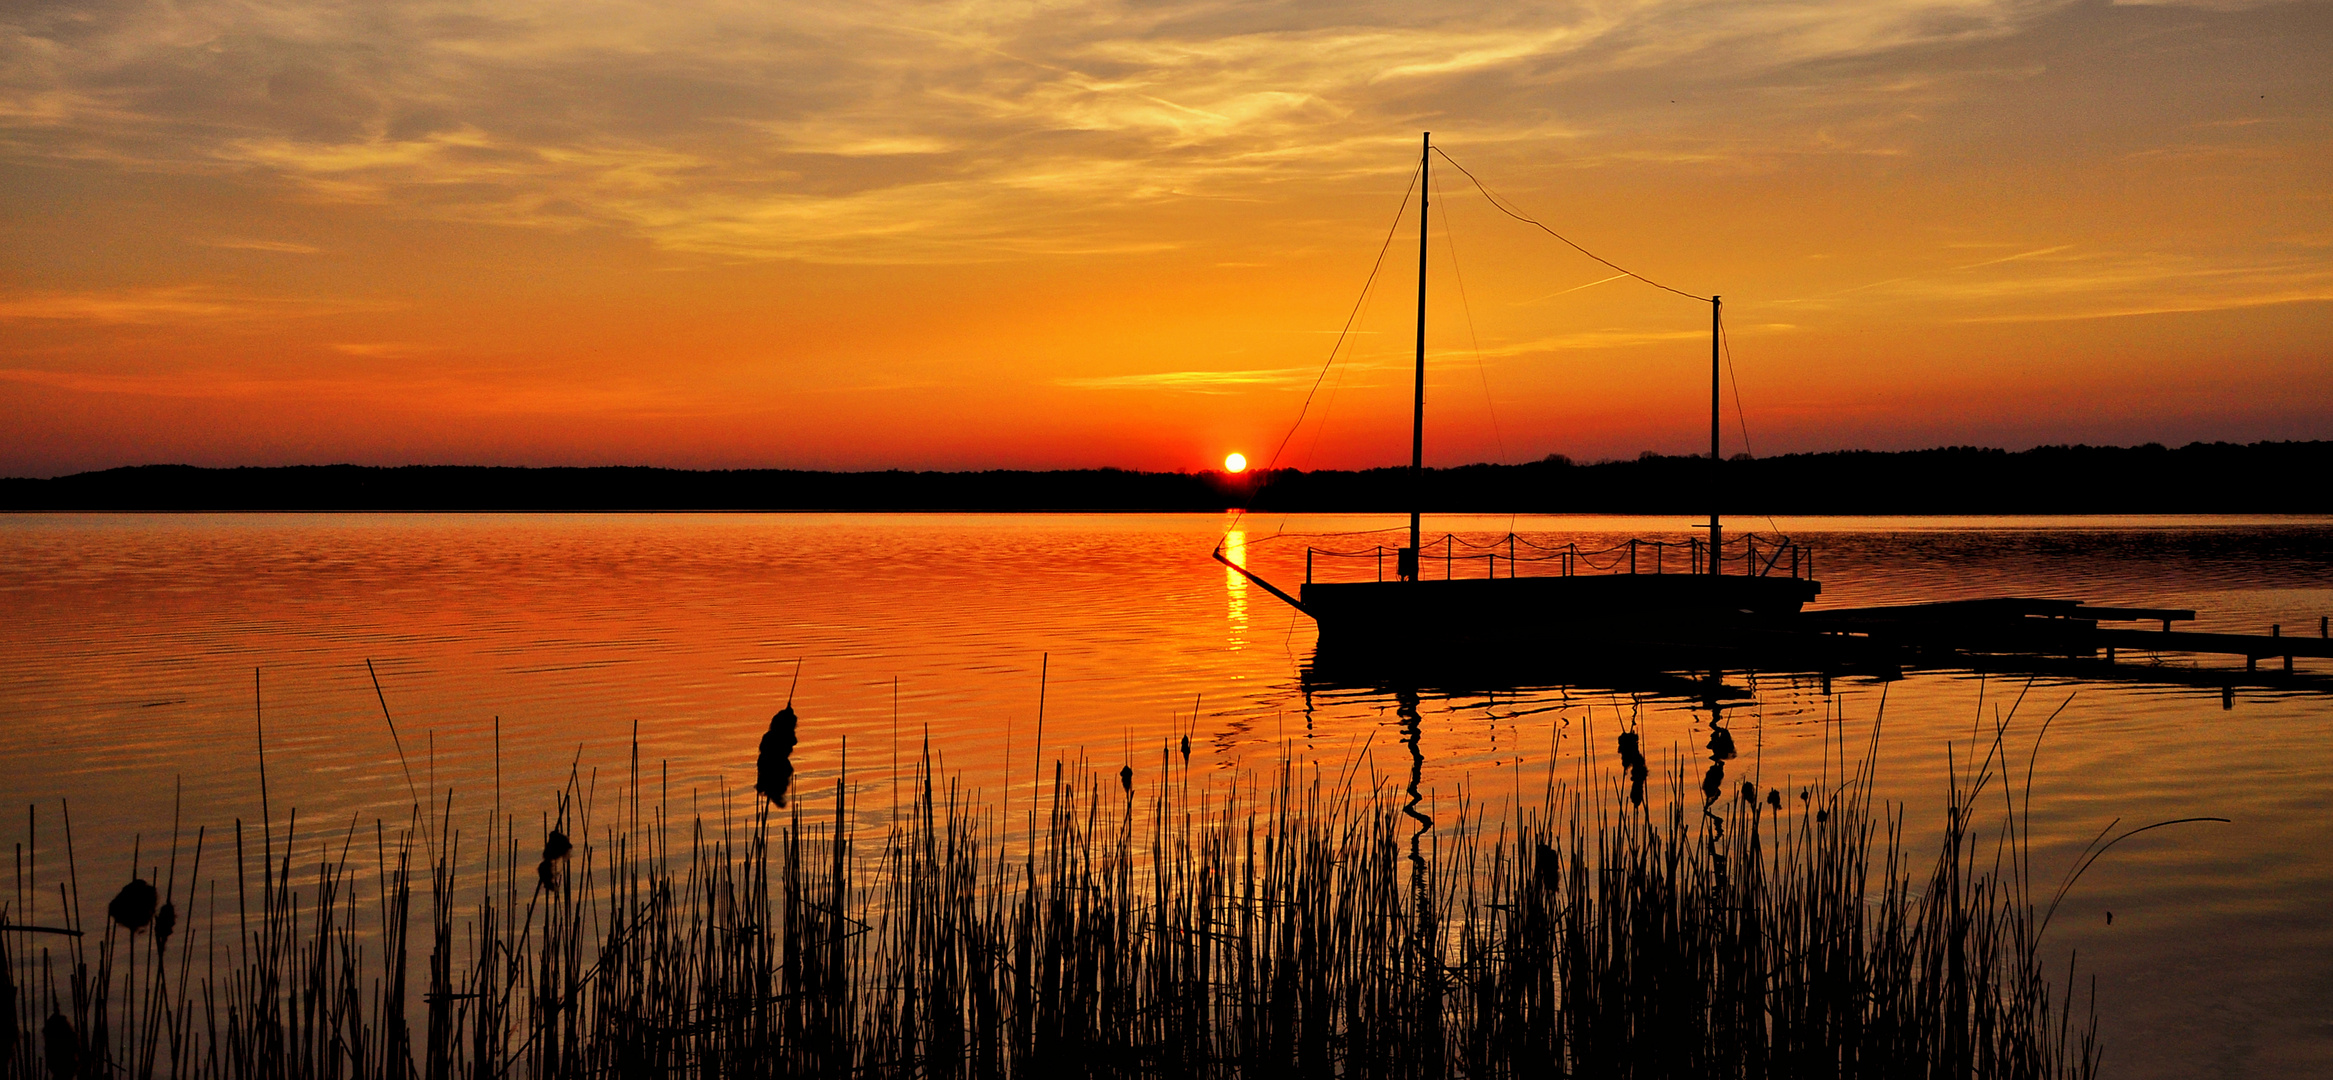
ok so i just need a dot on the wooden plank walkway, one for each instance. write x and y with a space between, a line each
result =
2051 627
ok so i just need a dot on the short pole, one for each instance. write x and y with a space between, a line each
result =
1308 566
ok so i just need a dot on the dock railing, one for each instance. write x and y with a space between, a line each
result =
1750 555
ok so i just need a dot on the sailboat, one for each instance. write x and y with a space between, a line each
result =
1642 593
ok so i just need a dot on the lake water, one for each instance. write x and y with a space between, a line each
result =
128 649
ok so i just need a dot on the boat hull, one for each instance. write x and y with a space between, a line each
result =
1538 611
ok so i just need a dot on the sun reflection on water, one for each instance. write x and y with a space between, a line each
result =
1235 588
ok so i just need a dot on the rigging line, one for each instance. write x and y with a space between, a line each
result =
1341 334
1320 430
1489 408
1328 406
1495 201
1450 244
1733 373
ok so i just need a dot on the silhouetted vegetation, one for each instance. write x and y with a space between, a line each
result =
1306 928
2265 477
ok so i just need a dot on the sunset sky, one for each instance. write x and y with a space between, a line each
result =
978 234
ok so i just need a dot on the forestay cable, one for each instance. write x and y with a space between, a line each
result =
1342 333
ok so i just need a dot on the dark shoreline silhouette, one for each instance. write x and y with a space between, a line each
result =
2261 477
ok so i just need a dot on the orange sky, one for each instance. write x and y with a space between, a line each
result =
976 234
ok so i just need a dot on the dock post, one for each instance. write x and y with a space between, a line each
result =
2324 622
2288 663
2110 654
2227 697
1632 554
1490 559
1308 566
1380 562
2251 662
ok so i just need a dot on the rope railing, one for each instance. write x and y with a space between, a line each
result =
1767 556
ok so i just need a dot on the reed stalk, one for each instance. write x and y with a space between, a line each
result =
1281 926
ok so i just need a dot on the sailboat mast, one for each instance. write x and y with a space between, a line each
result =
1716 532
1418 396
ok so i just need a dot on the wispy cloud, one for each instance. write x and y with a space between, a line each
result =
1199 382
481 393
279 247
864 131
379 349
164 304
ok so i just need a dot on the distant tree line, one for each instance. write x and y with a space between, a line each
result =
2262 477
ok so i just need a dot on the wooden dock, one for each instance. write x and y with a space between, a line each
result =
2057 628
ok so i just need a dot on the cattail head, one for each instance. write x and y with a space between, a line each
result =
774 770
556 846
1631 754
547 874
133 907
1774 798
165 921
1126 778
1186 748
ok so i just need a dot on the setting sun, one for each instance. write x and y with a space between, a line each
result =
1235 463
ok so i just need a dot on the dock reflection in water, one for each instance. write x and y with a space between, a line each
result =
127 646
